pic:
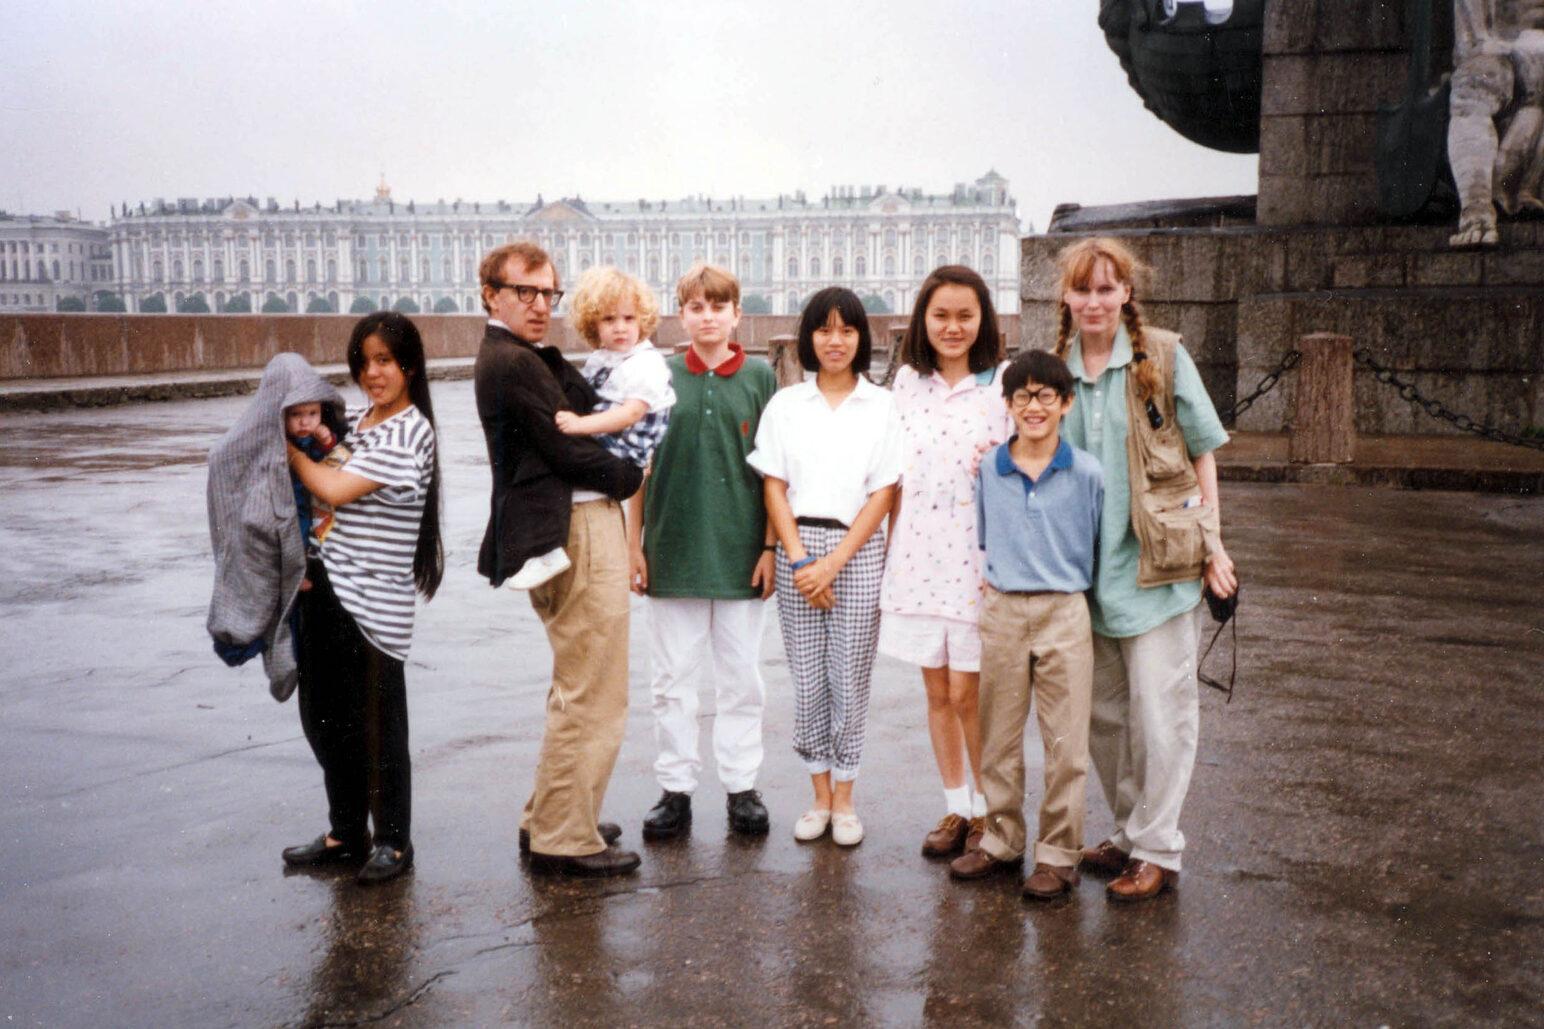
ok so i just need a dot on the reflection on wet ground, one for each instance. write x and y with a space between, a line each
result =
1365 839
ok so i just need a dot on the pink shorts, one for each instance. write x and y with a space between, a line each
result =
930 641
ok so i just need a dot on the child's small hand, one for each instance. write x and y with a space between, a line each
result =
323 436
813 579
566 420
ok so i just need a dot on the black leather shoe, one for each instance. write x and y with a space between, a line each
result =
611 861
317 853
747 814
386 863
610 832
671 816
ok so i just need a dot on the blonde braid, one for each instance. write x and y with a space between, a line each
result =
1143 369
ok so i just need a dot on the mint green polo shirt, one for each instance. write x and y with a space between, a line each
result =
1097 424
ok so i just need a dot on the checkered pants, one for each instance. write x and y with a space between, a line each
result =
831 653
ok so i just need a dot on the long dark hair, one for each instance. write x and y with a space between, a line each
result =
401 337
984 353
847 307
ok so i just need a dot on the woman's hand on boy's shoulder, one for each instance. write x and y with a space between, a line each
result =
982 449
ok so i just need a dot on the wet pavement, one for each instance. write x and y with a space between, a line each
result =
1366 828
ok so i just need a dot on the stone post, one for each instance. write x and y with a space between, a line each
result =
1324 426
783 354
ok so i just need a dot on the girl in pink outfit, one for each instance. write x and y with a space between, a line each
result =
950 402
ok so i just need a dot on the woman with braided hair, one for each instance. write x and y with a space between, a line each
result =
1143 411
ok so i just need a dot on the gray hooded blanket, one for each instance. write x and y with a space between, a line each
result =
259 558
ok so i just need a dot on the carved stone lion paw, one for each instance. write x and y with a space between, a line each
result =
1476 230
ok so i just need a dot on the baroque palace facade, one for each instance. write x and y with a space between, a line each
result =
237 254
53 263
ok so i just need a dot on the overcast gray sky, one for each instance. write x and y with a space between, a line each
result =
104 103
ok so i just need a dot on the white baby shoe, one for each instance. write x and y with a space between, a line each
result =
540 569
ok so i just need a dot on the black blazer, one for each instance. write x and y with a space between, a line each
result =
520 388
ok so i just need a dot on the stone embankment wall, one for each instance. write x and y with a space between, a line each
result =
1464 327
42 346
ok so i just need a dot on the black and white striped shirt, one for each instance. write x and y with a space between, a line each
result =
369 552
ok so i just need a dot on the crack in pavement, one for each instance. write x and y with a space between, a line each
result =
411 998
585 907
165 768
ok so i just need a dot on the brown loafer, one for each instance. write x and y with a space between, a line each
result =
947 839
978 864
1142 880
1105 859
1047 882
977 830
611 861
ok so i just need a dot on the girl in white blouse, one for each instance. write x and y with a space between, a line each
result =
829 451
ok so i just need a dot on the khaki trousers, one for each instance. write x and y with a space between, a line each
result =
1146 721
585 611
1035 646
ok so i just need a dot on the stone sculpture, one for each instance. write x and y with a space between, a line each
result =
1496 126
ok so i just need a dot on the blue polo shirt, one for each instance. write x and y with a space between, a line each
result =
1039 534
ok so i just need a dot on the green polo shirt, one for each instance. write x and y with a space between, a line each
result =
1097 424
704 518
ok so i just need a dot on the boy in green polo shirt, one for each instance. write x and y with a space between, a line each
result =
702 554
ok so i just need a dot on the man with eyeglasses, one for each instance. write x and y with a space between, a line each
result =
553 491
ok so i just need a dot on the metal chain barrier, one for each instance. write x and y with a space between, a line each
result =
1436 408
1289 361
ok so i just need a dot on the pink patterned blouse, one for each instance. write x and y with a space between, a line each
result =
934 566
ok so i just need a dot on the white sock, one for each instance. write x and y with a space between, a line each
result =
978 805
957 801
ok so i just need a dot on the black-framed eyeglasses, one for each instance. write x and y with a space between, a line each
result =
528 294
1047 396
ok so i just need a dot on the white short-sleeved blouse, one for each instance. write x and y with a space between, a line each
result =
831 458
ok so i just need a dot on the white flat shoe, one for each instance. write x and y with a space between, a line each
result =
846 830
812 825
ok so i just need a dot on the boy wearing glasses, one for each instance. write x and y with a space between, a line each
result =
1037 518
552 490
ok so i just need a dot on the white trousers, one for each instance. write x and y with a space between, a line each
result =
1142 739
723 637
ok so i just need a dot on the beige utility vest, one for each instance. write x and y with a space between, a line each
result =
1175 531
